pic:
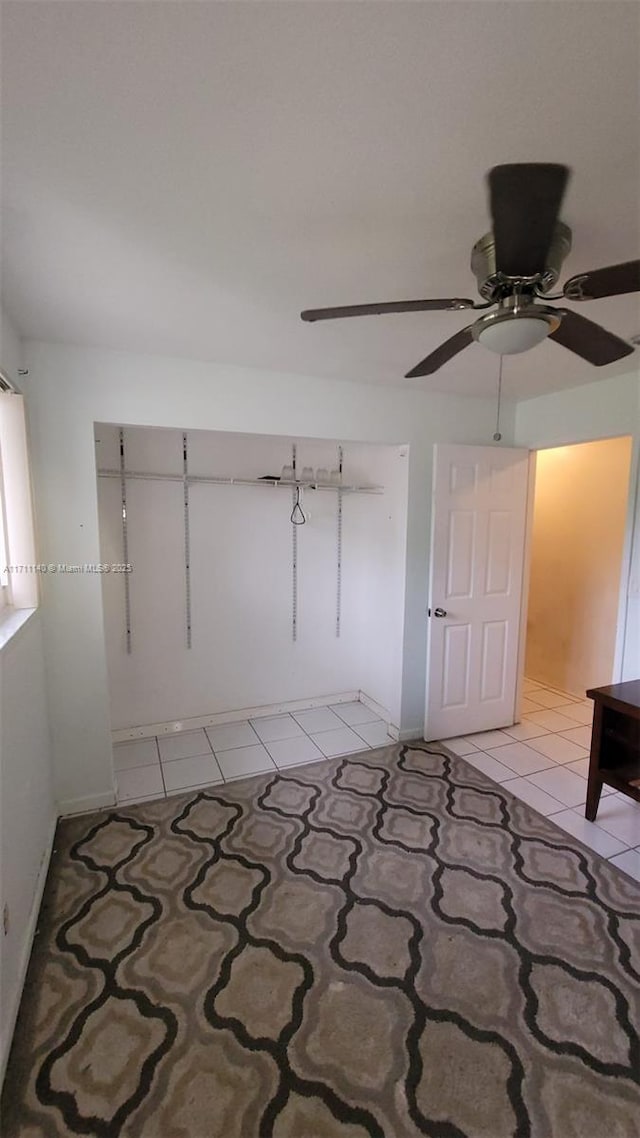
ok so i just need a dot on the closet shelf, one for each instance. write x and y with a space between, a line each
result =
196 478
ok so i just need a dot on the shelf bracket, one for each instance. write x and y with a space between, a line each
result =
187 541
294 555
339 546
125 541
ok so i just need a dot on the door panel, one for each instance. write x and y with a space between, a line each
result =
498 553
460 554
492 678
456 669
478 526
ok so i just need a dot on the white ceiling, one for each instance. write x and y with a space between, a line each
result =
183 178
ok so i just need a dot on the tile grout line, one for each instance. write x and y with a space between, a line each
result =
576 809
284 715
525 778
563 807
164 785
259 742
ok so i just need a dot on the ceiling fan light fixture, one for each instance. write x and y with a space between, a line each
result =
514 330
516 263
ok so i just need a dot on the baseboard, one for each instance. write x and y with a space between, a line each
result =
26 949
571 695
411 734
148 730
381 712
86 805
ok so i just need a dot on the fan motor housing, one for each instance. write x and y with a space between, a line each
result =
492 284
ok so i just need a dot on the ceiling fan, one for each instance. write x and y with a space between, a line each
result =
516 265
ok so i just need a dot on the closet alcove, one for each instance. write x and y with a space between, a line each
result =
230 607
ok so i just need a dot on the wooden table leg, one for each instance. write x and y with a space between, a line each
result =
594 789
594 785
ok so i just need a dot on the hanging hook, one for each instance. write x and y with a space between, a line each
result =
297 514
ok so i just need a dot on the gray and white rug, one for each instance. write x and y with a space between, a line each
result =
381 946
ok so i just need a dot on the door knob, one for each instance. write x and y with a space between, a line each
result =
439 612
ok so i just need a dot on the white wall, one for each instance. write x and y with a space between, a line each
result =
18 499
378 580
10 348
603 409
242 652
71 388
27 809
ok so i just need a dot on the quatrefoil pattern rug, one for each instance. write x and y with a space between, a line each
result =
381 946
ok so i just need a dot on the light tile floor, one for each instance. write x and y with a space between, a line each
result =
167 764
544 760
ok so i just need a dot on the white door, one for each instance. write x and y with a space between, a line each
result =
477 554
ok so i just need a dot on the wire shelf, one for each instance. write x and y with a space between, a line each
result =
195 478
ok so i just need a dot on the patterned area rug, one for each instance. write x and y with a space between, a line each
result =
381 946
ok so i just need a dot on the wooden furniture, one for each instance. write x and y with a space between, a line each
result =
615 743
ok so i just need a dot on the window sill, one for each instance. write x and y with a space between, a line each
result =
11 622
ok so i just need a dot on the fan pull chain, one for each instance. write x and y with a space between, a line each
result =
497 436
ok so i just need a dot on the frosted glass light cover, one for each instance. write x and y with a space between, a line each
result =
508 337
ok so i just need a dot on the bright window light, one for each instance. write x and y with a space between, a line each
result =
17 543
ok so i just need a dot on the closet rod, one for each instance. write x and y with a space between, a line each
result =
237 481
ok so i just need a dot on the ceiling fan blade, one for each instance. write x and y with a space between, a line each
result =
454 303
610 281
591 341
445 352
525 201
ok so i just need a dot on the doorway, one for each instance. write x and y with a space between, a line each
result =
576 563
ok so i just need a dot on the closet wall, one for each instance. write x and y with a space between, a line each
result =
242 652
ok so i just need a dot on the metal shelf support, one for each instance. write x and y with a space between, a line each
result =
125 541
187 479
294 554
187 542
339 544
